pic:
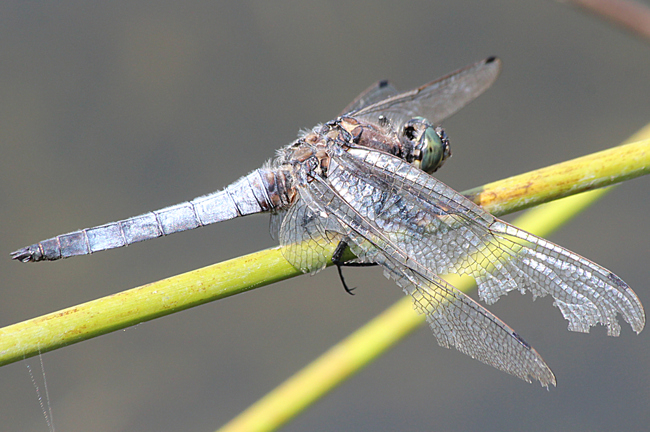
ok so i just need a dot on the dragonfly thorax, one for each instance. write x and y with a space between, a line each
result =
418 142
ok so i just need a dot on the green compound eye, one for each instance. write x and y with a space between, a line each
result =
430 147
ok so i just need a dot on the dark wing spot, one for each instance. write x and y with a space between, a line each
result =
617 280
521 340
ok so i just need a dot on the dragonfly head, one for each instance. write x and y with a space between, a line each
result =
425 146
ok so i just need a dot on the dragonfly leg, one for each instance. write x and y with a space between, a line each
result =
336 259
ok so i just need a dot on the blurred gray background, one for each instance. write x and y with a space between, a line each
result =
111 109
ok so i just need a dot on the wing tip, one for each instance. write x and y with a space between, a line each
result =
494 62
547 378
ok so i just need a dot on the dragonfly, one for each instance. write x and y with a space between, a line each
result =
363 181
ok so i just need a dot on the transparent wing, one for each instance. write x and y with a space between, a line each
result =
377 92
436 100
306 239
458 321
306 233
428 227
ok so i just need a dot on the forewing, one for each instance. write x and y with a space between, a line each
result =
377 92
430 228
586 293
438 99
458 321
